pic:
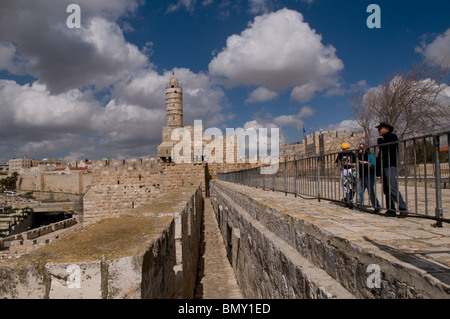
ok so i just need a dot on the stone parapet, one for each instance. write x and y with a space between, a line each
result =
287 247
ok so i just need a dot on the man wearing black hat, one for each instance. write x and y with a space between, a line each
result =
387 160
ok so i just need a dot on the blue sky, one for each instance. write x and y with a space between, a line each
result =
98 91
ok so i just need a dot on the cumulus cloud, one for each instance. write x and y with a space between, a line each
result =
278 51
438 51
201 98
305 92
261 94
31 112
267 120
263 124
295 120
44 123
61 58
348 125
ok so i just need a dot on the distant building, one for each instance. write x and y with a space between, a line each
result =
16 164
49 162
85 163
69 170
28 165
4 167
321 143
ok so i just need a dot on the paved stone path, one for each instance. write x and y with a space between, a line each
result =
215 278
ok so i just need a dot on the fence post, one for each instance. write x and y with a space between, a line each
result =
318 178
295 177
285 176
437 180
356 195
263 181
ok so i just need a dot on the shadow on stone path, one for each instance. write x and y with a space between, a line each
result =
215 277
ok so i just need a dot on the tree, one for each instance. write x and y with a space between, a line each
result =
9 183
415 102
424 152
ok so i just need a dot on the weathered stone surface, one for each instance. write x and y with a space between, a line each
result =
265 265
133 256
341 242
86 284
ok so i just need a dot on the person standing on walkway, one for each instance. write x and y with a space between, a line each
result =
367 176
387 161
347 160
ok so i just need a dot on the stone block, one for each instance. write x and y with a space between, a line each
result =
75 281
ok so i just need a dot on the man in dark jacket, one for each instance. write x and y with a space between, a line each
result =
387 158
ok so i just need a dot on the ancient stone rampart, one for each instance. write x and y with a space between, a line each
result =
120 185
147 253
281 250
76 183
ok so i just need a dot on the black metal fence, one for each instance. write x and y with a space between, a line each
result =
410 177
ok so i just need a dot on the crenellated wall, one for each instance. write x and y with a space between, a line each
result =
120 185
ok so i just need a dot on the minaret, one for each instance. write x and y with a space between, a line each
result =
174 103
174 118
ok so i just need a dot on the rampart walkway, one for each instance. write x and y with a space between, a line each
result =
215 278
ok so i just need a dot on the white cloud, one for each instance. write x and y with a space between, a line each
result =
45 124
260 124
121 123
266 120
59 111
261 94
27 108
201 99
278 51
349 125
295 120
97 54
438 51
305 92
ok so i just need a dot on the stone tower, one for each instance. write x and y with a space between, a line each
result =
174 118
174 104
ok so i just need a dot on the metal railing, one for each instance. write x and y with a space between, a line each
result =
412 184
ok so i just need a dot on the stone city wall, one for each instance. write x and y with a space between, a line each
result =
323 142
185 205
120 185
147 253
177 176
265 265
26 241
110 201
76 183
276 255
